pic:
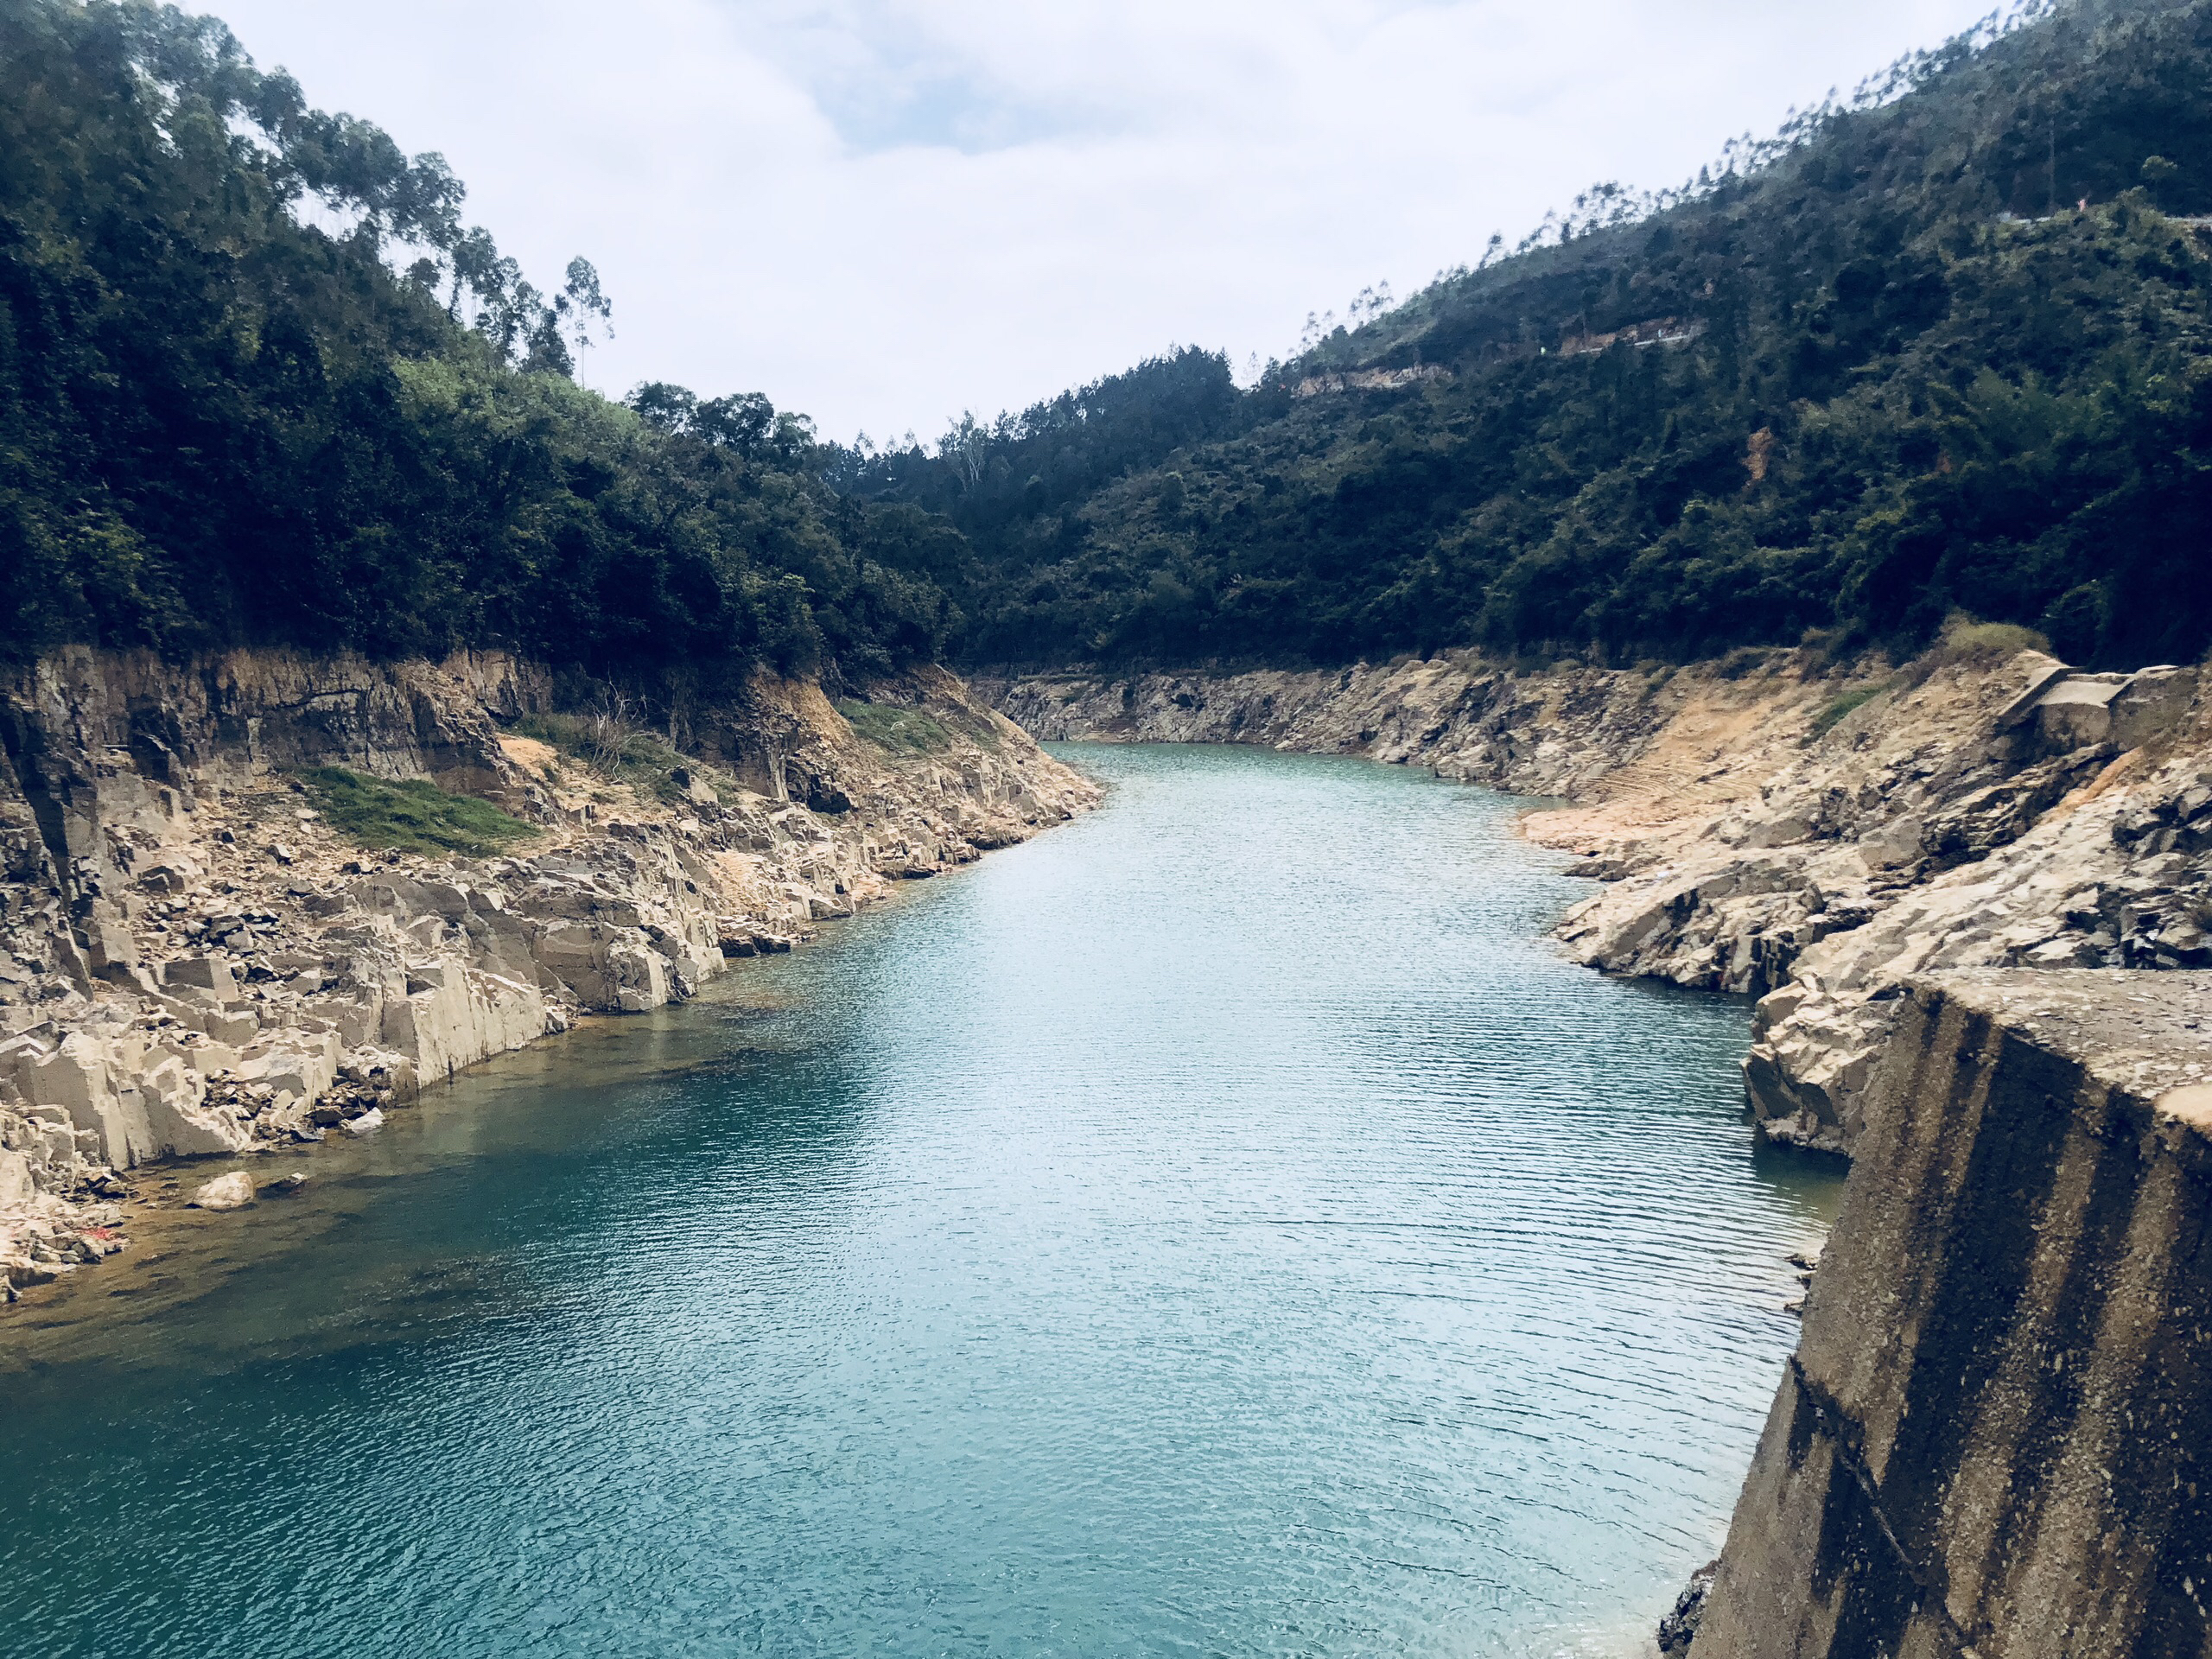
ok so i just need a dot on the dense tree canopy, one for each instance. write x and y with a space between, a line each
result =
1882 368
259 383
1943 346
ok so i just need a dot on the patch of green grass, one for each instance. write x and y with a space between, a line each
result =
1965 640
895 730
409 816
1828 718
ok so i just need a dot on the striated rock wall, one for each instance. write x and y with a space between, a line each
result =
1562 732
1810 833
193 962
1992 1439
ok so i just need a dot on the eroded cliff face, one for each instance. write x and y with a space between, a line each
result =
194 961
1809 834
1991 1440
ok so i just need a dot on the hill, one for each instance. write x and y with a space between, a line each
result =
260 384
1943 347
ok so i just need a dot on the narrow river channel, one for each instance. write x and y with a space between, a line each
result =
1219 1227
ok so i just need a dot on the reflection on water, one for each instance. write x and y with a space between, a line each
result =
1220 1226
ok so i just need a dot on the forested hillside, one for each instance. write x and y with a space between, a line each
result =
1888 367
1943 347
259 383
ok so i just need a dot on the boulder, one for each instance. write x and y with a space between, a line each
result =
231 1026
106 940
696 789
1679 1627
2151 703
16 1188
459 1021
231 1192
81 1077
2022 706
180 1121
2076 713
204 973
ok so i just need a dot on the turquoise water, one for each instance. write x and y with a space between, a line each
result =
1218 1227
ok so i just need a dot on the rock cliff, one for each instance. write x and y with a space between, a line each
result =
1810 833
194 959
1990 1440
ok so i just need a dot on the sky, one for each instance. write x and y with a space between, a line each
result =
883 213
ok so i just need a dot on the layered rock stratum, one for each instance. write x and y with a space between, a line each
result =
195 961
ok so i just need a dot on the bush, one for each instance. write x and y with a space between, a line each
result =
410 815
606 743
895 731
1827 719
1965 640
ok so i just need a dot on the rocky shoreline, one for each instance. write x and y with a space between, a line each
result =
1968 892
1973 896
197 961
1811 833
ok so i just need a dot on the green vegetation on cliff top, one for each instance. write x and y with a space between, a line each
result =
1877 371
219 423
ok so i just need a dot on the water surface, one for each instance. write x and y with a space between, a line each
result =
1219 1227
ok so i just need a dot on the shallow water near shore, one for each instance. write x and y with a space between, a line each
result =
1220 1226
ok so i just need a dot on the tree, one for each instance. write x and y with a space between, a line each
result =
584 308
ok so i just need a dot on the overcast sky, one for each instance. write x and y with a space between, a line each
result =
884 211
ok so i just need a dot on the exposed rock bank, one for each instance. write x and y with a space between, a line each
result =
194 961
1809 833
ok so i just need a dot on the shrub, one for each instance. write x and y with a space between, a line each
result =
895 730
1826 720
1965 640
606 743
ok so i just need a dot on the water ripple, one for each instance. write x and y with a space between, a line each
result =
1220 1227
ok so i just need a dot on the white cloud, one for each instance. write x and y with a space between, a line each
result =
882 211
